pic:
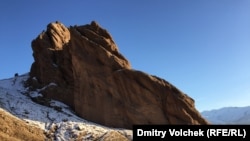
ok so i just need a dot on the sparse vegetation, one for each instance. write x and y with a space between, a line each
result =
13 129
16 75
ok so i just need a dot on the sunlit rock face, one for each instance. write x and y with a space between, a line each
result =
89 74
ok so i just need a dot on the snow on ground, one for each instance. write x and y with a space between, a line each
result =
57 119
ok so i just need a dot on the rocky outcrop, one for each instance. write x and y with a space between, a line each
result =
82 67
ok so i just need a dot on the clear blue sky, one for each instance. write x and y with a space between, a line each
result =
200 46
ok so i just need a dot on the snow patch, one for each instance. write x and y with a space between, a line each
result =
49 85
56 119
55 65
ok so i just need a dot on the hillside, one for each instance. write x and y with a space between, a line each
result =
53 120
11 126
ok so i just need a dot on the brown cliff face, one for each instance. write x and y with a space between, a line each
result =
89 74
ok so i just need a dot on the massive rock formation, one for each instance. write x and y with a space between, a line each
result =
82 67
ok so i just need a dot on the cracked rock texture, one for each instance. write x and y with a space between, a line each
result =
98 82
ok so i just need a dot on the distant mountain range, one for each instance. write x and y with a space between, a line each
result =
228 115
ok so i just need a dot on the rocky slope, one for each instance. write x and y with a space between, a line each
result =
11 126
27 116
87 72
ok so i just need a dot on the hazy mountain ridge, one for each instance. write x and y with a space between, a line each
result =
228 115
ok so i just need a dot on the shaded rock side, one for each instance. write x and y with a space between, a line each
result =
89 74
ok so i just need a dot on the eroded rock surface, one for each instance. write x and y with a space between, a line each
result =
82 67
